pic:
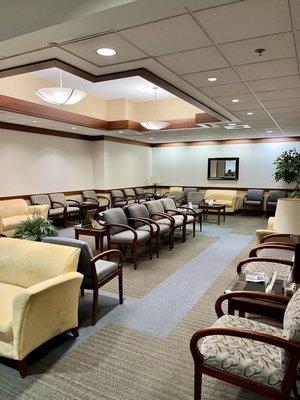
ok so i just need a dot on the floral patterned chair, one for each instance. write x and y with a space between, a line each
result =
142 195
250 354
92 197
264 264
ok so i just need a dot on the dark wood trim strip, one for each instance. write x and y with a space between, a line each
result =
242 189
126 141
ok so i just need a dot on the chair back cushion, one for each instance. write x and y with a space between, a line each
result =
138 211
129 192
255 194
155 206
175 189
195 197
39 199
274 195
139 191
60 197
168 204
186 190
12 208
291 320
24 263
91 194
115 216
116 193
85 254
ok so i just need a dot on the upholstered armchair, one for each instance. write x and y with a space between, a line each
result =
130 195
279 251
142 195
13 212
254 199
195 198
39 289
176 193
96 270
102 202
247 353
264 264
272 199
119 232
60 202
182 215
140 211
118 199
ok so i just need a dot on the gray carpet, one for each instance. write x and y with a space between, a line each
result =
115 361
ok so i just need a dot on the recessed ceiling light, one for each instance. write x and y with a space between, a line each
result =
74 127
212 79
269 131
249 113
106 52
34 121
232 124
121 132
235 100
151 137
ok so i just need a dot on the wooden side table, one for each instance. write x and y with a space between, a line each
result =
216 208
98 234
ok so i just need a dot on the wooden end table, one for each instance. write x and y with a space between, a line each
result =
215 208
98 234
264 308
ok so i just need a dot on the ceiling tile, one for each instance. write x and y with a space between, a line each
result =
243 98
295 11
223 75
268 69
285 82
243 52
225 90
168 36
282 103
87 49
194 60
245 19
243 107
280 94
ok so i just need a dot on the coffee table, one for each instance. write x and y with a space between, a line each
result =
215 208
252 306
98 234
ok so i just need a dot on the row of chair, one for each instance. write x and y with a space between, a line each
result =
255 199
248 353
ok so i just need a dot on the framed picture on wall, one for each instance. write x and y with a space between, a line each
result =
223 168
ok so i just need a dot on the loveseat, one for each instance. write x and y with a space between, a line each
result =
13 212
39 291
227 197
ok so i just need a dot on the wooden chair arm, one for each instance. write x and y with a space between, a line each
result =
292 347
153 223
191 210
74 201
142 220
61 204
177 212
274 235
255 259
253 252
92 200
164 215
108 253
121 198
283 300
126 227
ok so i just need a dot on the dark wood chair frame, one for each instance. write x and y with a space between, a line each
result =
172 225
134 244
96 201
65 214
184 222
270 245
120 198
96 285
291 347
154 234
277 237
146 196
264 259
259 206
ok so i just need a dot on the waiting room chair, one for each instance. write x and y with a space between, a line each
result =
176 193
264 264
70 206
95 270
130 195
184 215
140 211
118 199
274 250
93 197
195 198
247 353
272 199
121 234
142 195
254 199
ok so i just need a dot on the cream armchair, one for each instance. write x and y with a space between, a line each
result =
39 291
227 197
13 212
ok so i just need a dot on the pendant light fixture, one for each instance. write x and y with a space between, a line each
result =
155 125
61 95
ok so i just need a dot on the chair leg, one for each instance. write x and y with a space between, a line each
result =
295 389
184 233
157 246
197 383
22 366
75 332
134 257
95 303
194 227
150 248
81 292
121 299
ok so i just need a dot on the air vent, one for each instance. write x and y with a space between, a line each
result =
232 127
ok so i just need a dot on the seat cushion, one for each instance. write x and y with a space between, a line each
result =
128 236
162 228
105 268
178 220
7 293
72 209
246 358
56 211
283 270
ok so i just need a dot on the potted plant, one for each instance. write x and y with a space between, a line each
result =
287 168
35 229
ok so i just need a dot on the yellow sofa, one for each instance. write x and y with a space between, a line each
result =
227 197
38 295
13 212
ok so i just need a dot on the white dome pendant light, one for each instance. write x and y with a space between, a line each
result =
155 125
61 95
